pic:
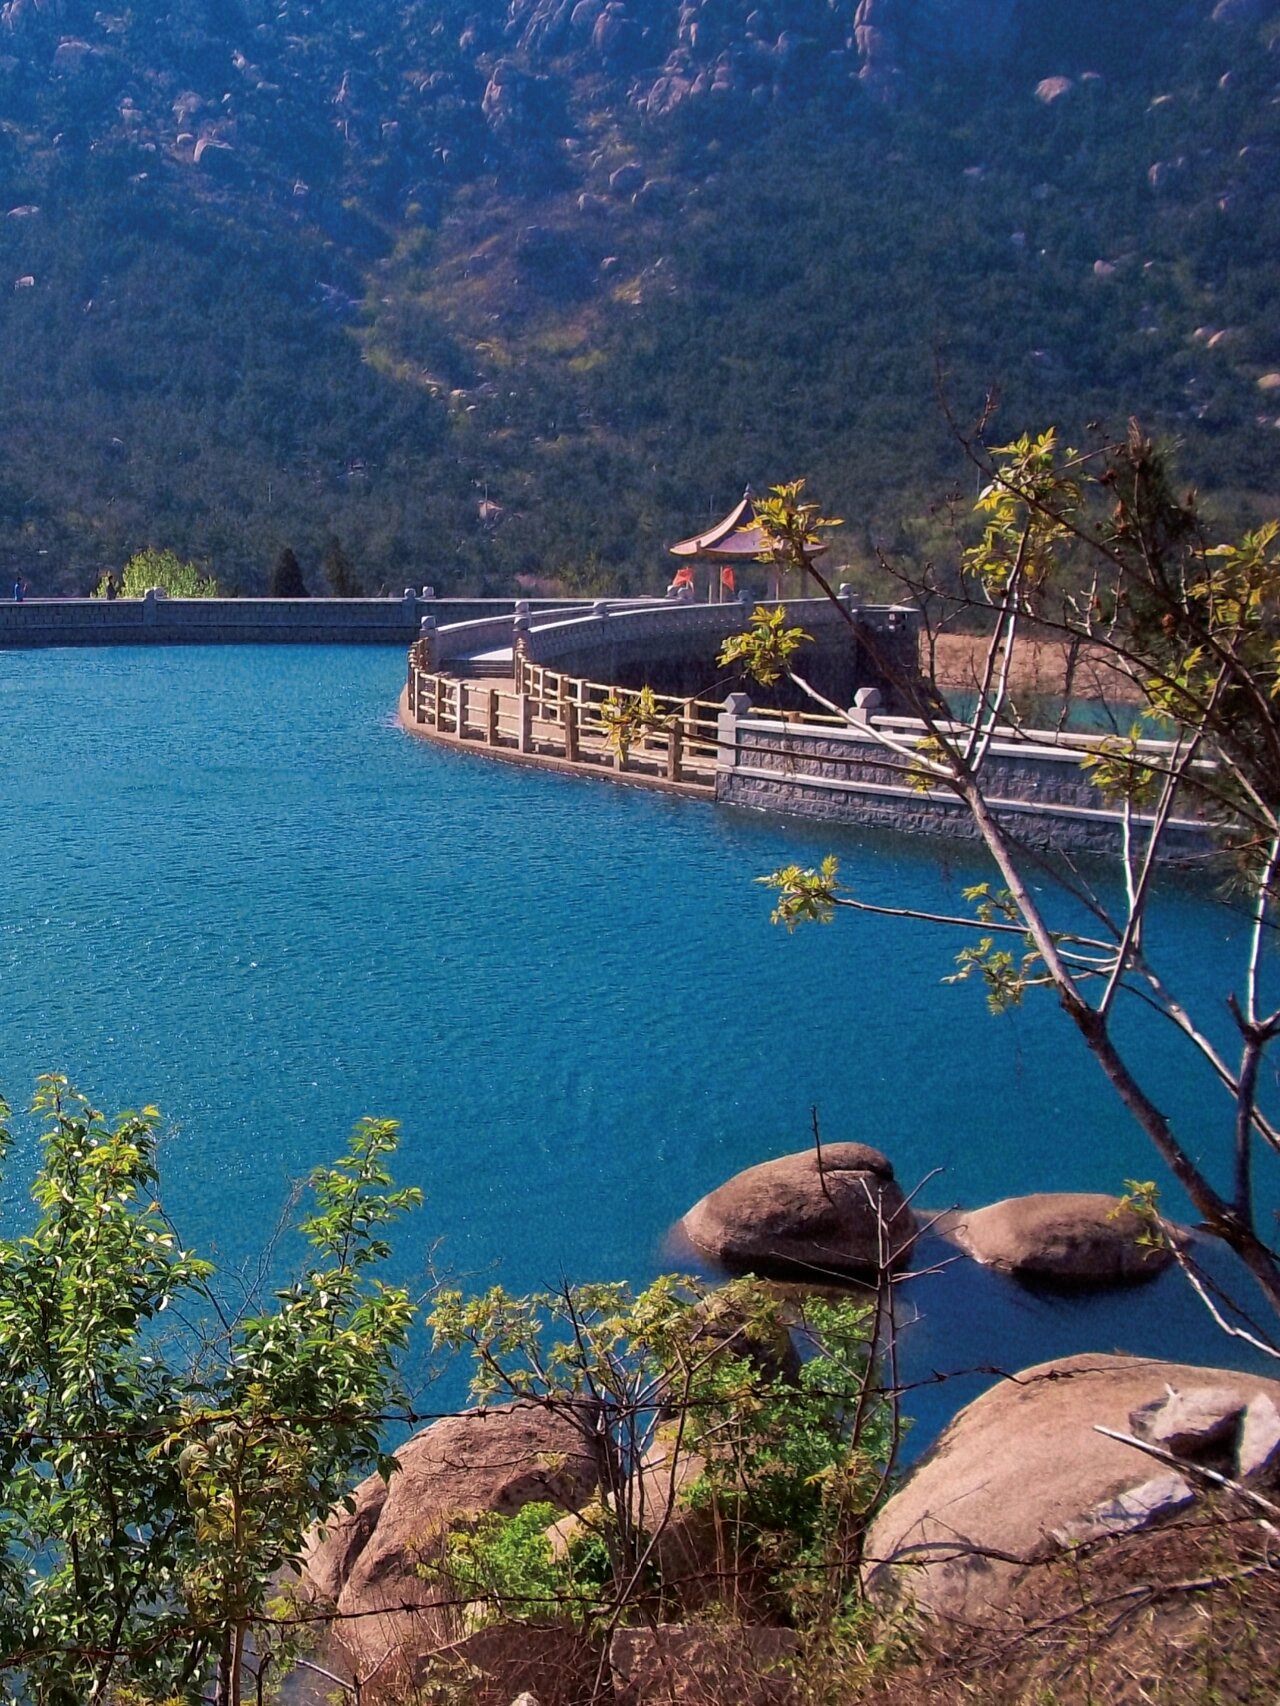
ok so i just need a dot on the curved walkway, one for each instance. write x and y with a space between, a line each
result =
545 750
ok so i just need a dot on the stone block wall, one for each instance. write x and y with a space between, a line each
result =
843 775
235 621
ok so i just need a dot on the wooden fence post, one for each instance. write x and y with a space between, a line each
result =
674 744
570 731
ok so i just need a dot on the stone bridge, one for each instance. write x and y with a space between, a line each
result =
561 668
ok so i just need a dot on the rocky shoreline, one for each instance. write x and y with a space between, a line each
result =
1055 1461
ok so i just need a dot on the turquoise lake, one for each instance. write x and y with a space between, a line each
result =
233 886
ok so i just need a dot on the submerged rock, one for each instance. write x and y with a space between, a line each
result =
1070 1238
789 1216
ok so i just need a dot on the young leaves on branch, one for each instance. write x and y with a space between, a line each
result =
627 716
805 895
1097 553
791 528
1028 508
766 648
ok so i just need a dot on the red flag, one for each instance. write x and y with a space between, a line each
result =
683 577
726 579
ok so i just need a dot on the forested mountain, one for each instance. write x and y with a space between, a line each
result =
488 289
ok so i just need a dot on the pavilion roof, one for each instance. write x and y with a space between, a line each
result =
738 538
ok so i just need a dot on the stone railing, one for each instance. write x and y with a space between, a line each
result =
825 767
838 770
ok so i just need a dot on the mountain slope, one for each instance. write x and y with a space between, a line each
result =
489 291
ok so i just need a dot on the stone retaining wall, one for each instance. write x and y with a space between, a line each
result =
845 775
238 621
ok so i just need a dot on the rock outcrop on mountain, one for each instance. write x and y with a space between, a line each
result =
891 35
422 96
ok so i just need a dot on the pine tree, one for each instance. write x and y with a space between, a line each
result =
339 572
286 577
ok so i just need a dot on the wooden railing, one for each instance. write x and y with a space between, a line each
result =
546 713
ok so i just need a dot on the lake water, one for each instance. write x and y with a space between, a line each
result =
232 886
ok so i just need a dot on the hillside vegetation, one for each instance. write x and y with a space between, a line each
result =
489 291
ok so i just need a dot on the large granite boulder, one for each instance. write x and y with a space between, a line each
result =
1069 1238
847 1216
1022 1472
369 1563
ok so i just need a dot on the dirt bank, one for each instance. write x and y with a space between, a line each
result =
1040 666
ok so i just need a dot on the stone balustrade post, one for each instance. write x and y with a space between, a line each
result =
866 701
524 723
493 705
437 701
572 725
520 629
460 724
429 644
736 706
675 744
150 608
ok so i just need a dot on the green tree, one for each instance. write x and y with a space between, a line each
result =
1099 549
164 570
339 572
286 576
163 1454
791 1466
